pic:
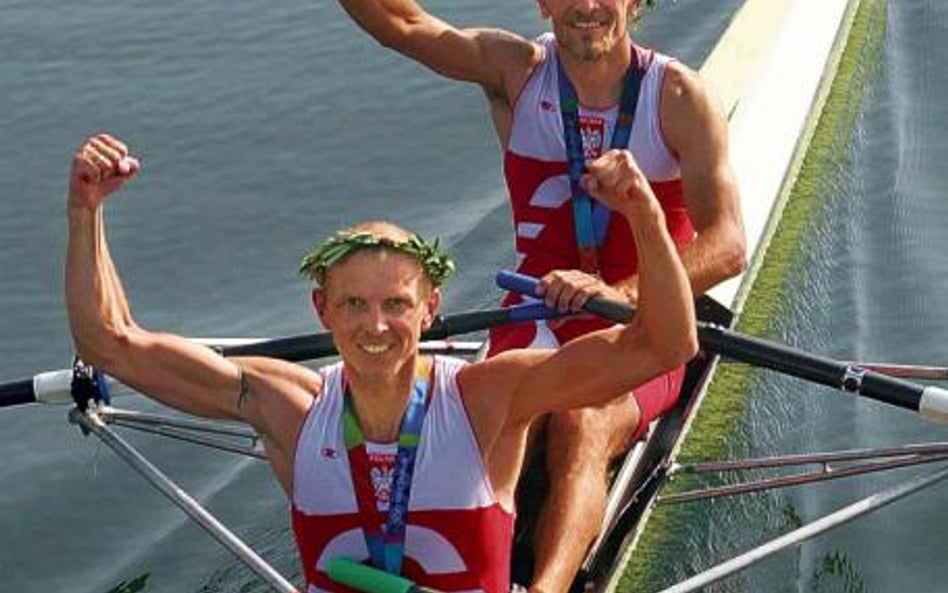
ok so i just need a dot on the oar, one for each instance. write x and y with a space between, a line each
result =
54 386
370 580
906 371
929 401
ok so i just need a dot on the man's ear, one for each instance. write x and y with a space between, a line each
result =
318 296
433 305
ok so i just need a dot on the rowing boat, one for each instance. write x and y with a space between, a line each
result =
635 479
640 476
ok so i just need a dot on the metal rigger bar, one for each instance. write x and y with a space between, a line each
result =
92 422
897 458
214 434
797 536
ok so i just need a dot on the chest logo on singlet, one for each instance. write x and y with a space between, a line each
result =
593 132
381 472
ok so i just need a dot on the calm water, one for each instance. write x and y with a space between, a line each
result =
261 128
876 291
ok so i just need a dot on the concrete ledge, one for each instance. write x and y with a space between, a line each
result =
771 96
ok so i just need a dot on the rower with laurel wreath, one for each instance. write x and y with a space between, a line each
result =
405 461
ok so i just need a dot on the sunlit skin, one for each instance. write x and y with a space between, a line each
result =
377 303
589 30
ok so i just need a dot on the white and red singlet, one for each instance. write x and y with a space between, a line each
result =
535 169
458 537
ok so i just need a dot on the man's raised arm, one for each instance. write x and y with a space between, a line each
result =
188 376
600 366
493 58
169 368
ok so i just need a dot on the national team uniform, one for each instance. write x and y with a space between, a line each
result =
535 169
458 536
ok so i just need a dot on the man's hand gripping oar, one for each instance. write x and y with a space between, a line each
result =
929 401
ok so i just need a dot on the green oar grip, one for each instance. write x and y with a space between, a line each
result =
365 578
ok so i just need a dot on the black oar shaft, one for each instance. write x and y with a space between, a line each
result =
795 362
931 402
295 348
319 345
53 386
17 393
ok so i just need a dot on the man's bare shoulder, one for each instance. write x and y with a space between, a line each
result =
689 107
293 383
513 55
683 86
488 389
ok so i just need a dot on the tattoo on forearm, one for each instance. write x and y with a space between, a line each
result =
244 386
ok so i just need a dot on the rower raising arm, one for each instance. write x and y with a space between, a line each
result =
172 369
499 61
505 393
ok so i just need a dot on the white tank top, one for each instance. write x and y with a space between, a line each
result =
458 536
537 130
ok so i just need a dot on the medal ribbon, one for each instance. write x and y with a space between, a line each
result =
591 219
386 542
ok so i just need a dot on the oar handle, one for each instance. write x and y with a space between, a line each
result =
929 401
528 285
370 580
473 321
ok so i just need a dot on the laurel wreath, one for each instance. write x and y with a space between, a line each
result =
438 266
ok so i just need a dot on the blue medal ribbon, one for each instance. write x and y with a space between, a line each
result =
591 219
387 544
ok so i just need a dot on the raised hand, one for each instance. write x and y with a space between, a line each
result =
616 180
100 167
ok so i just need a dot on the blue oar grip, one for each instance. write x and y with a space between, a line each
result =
531 312
516 282
605 308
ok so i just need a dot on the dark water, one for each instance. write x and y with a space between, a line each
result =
879 294
262 126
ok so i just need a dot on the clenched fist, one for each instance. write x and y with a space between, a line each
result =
100 167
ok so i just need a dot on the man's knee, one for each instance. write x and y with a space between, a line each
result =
589 437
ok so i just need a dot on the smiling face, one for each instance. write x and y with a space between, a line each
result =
377 302
588 30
